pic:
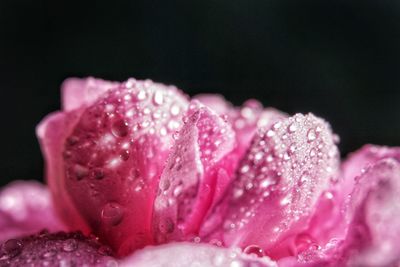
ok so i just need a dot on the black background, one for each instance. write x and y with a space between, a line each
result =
338 59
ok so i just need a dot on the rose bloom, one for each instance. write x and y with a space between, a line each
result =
139 174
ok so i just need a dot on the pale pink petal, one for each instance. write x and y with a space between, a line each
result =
76 92
279 182
191 255
215 102
372 223
374 235
197 174
26 208
113 158
363 158
55 249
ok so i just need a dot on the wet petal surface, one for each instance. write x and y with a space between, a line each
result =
197 173
189 254
56 249
286 169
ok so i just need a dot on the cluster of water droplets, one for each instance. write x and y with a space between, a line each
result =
204 140
139 117
56 249
292 162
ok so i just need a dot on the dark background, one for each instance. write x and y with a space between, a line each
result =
338 59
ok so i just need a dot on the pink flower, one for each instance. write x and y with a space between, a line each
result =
199 181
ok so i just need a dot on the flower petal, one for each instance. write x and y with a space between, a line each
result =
373 237
52 133
55 249
286 169
78 92
26 208
197 173
114 156
191 254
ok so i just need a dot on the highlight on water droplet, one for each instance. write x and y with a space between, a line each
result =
254 250
119 128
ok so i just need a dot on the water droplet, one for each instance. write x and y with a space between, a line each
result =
312 152
70 245
80 171
311 135
124 155
158 98
258 156
142 95
98 174
245 168
303 242
166 226
175 109
12 248
254 250
270 133
197 239
119 128
286 200
112 213
292 127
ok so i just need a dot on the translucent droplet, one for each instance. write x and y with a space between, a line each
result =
166 226
80 171
292 127
175 109
254 250
303 242
70 245
119 128
112 213
311 135
98 174
245 168
270 133
158 98
124 155
142 95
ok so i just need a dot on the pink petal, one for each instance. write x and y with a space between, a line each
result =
113 158
371 223
244 120
279 182
52 133
26 208
78 92
363 158
197 173
191 254
55 249
215 102
373 237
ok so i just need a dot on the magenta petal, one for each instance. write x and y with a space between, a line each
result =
55 249
26 208
279 182
114 156
192 254
78 92
52 132
197 173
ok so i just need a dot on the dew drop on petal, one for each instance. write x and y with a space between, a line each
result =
112 213
254 250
